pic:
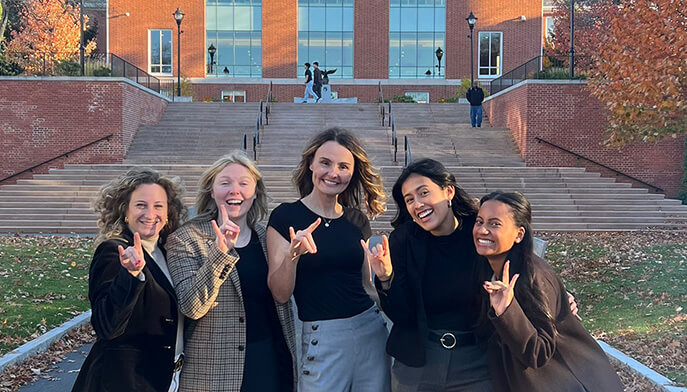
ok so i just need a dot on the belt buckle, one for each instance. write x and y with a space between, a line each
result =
452 341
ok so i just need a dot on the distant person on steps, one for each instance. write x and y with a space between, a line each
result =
308 84
475 96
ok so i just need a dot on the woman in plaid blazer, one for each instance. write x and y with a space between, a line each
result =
238 338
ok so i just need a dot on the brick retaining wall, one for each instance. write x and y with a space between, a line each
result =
564 113
41 118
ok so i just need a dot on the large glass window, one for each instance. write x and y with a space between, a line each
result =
234 28
417 28
325 35
490 48
160 56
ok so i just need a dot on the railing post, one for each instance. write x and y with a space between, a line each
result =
255 153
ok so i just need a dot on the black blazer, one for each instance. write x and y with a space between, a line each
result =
403 302
135 323
527 356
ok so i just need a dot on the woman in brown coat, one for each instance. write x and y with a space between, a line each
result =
538 344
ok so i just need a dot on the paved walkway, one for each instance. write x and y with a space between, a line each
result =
62 378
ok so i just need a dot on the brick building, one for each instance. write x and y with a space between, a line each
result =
366 41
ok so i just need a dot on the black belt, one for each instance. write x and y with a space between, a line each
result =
179 362
450 340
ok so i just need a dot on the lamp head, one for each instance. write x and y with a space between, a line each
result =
440 53
178 16
472 20
212 50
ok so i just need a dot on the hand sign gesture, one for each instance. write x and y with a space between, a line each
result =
501 292
132 258
379 258
302 241
228 233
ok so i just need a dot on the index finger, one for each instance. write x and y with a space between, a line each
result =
223 213
314 225
121 251
137 243
506 270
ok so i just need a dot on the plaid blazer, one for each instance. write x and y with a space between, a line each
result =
209 294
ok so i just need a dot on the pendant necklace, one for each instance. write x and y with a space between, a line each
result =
327 221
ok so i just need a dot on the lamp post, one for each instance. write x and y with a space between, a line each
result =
211 51
178 17
472 20
440 54
82 47
572 39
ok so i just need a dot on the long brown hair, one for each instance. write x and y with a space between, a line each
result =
366 183
113 200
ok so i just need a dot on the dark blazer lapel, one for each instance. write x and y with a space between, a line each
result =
158 275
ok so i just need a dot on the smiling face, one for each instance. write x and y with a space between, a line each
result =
332 168
495 231
147 211
234 188
427 204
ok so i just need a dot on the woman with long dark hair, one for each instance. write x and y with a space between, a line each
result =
428 278
135 316
538 344
313 254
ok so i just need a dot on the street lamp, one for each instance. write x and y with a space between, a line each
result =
178 17
440 54
472 20
212 50
572 39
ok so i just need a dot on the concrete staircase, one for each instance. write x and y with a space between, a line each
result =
192 135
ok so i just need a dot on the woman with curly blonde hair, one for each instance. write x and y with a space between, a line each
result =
135 315
314 254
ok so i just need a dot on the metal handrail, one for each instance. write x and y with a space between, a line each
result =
381 102
408 153
118 64
617 172
244 143
531 69
66 154
268 105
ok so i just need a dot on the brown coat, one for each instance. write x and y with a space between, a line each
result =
528 357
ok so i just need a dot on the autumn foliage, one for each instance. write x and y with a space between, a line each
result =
49 32
637 62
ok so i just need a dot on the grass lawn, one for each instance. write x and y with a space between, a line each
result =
632 291
43 283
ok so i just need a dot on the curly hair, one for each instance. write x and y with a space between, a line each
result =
112 203
366 182
461 204
205 204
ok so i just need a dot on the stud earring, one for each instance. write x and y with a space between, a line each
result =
450 203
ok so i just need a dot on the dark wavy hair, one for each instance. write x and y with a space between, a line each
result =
461 204
366 183
530 296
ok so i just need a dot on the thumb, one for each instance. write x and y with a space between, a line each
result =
363 243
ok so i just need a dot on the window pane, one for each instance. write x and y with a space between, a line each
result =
225 18
408 49
302 49
347 49
256 48
316 47
395 19
426 55
347 19
425 19
440 19
316 18
167 47
334 19
242 48
394 49
302 18
155 47
257 18
211 18
408 19
225 48
333 53
495 49
242 18
484 49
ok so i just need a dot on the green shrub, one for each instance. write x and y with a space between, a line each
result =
402 98
9 68
102 71
68 68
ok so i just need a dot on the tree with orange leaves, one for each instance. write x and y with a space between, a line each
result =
48 32
640 69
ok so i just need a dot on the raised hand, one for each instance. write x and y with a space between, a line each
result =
302 241
379 258
132 258
228 233
501 292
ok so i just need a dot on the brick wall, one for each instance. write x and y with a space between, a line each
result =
521 39
41 118
565 114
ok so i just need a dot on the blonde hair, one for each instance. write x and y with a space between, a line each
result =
112 203
365 183
205 203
